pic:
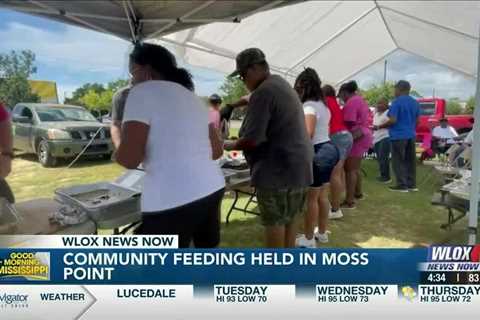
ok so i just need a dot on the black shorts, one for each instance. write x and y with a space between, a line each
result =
198 221
325 159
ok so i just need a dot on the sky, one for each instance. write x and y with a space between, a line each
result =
72 56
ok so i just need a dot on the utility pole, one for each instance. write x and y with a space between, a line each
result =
385 72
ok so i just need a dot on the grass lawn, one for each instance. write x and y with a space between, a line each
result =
383 219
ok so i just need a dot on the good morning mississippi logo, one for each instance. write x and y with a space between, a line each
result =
25 266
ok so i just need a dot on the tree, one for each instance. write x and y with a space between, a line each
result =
470 105
79 93
96 96
95 101
15 69
454 106
90 100
231 91
117 84
375 92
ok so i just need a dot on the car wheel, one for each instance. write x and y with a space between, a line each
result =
107 156
44 156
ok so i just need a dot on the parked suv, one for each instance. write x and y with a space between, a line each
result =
53 131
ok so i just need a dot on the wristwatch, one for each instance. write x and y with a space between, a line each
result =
6 154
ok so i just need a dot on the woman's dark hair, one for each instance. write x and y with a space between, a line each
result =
162 61
349 87
310 82
329 91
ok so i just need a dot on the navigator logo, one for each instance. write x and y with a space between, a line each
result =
454 254
13 301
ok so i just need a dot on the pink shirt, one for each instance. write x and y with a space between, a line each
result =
356 114
3 113
214 117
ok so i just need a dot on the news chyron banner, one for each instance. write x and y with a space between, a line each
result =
147 277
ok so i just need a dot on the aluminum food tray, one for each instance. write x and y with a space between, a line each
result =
102 201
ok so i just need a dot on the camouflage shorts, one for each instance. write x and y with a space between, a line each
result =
280 206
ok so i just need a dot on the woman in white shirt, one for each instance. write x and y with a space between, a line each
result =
165 127
317 120
381 141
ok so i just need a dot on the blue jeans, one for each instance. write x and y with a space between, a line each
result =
382 149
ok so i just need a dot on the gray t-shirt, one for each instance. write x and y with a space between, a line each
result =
275 121
118 103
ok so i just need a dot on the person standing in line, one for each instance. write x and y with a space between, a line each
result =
402 122
118 106
355 114
6 153
215 101
381 141
317 121
342 139
276 145
165 127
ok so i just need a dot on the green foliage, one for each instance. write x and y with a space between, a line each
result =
454 106
376 92
15 69
78 94
231 91
97 101
387 90
117 84
96 96
470 105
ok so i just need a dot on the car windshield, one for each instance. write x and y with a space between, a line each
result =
427 108
64 114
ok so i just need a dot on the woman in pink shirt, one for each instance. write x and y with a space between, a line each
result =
355 114
214 110
6 153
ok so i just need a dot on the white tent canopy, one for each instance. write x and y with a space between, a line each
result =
137 19
341 38
338 38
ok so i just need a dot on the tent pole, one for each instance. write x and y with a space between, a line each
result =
474 191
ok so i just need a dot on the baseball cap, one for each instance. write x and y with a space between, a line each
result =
247 58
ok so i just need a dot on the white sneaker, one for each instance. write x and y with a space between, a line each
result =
303 242
321 237
335 214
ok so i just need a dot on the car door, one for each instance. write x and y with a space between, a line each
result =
22 130
18 129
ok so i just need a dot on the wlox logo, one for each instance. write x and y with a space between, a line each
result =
13 300
454 253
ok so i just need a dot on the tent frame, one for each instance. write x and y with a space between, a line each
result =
475 178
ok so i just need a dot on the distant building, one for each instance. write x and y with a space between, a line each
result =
46 90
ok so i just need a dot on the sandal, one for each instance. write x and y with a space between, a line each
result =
348 205
360 196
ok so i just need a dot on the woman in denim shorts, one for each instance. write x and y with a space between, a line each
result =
317 122
342 139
